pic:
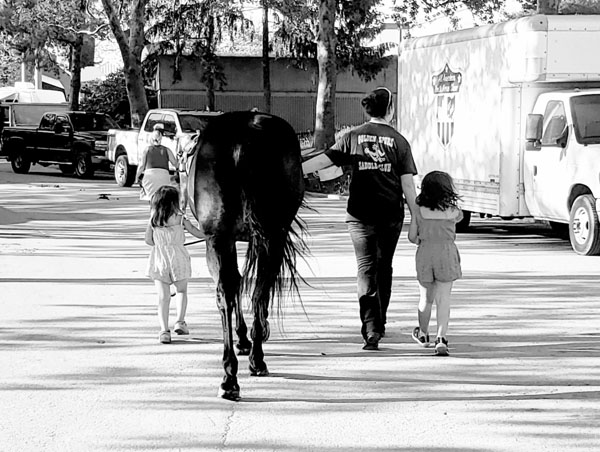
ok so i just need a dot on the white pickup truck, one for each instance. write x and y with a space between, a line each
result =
125 147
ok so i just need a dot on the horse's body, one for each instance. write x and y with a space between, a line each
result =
245 183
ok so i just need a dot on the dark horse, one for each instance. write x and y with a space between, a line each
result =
245 183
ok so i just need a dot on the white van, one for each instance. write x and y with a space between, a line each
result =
512 112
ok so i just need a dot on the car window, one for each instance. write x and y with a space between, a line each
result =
169 123
47 122
555 123
92 122
153 118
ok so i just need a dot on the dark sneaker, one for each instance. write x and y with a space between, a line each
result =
420 338
441 346
164 337
372 341
181 328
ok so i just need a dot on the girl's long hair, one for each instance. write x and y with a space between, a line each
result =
165 204
437 191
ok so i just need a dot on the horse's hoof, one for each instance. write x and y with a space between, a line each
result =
243 350
229 394
259 372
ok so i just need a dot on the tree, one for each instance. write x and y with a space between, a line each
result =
326 57
194 28
131 44
10 61
25 23
108 96
46 31
336 34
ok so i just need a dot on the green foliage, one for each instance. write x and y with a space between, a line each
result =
107 96
579 7
358 23
10 62
110 96
194 28
412 12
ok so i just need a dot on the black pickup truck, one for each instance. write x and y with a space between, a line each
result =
73 140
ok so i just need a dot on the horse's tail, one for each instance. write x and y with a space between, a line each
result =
273 192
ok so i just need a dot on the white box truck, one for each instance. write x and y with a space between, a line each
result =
512 112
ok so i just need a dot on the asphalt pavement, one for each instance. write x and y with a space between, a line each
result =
82 369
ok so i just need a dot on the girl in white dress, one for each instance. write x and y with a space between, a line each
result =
169 261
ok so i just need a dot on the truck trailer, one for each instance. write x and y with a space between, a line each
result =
512 112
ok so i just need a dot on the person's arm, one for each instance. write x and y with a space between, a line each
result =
410 193
413 231
142 166
173 160
459 216
187 224
317 163
149 237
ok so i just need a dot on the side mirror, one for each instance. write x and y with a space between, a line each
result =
533 131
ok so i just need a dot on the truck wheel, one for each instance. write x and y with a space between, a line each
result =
83 165
124 172
19 163
66 169
584 231
463 225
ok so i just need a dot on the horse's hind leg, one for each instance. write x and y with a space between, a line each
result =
243 345
222 262
269 263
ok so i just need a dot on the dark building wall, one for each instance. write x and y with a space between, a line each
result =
294 90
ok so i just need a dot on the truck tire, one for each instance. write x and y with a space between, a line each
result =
124 172
19 163
67 169
584 230
463 225
83 165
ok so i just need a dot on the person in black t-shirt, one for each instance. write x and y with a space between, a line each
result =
382 175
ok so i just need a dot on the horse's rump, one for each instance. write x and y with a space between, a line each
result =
254 161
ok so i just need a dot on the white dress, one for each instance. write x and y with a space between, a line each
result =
169 260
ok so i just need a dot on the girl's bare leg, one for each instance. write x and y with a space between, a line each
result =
164 300
181 299
427 296
442 296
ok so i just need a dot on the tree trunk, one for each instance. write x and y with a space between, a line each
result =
548 6
131 52
210 83
326 42
266 64
76 72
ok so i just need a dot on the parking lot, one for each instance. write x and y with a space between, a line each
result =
83 370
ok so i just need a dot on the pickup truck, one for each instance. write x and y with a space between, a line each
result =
73 140
125 147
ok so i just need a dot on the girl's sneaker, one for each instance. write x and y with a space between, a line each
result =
441 346
164 337
181 328
420 338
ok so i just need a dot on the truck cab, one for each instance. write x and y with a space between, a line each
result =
125 147
73 140
561 172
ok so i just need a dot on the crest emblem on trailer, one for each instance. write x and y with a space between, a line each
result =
445 86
